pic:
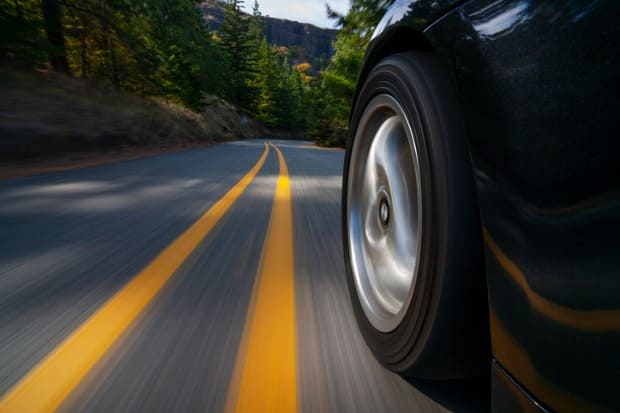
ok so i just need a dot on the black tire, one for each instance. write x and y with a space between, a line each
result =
444 331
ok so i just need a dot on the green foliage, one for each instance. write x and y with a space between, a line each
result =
284 95
337 86
186 62
21 33
155 48
240 38
162 48
267 82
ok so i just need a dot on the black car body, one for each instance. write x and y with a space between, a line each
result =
537 82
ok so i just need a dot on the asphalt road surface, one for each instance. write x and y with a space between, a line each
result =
208 280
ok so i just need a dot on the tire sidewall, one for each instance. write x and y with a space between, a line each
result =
399 78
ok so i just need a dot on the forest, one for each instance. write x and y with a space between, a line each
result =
164 49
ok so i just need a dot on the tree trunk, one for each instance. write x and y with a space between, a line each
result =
55 35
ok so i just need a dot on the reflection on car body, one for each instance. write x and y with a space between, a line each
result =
535 85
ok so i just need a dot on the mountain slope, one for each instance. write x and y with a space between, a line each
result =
309 41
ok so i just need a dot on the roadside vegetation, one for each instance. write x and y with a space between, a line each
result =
78 75
47 115
335 87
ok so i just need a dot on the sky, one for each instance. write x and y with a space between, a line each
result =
305 11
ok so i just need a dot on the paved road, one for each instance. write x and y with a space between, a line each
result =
160 284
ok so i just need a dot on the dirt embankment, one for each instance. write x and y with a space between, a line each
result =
52 122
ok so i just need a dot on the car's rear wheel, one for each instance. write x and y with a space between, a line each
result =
411 227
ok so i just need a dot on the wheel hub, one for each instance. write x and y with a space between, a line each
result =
384 212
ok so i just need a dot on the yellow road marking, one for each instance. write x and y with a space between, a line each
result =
589 320
45 387
267 355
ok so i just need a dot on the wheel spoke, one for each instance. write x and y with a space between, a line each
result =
384 212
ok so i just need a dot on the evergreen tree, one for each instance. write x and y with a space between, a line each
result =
299 99
339 79
255 38
187 63
163 48
237 47
267 84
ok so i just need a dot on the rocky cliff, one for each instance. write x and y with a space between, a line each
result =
305 40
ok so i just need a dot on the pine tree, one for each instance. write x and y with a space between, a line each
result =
236 45
299 100
186 58
339 79
255 38
267 84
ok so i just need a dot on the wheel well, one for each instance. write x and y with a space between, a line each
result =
400 39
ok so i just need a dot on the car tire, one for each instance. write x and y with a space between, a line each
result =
411 226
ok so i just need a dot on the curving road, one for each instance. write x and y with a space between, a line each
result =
208 280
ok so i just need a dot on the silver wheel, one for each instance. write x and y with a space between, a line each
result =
385 212
411 229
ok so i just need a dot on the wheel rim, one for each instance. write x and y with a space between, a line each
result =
384 212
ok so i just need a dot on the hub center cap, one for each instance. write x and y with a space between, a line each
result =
384 212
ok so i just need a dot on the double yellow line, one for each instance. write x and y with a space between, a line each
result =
265 375
266 362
